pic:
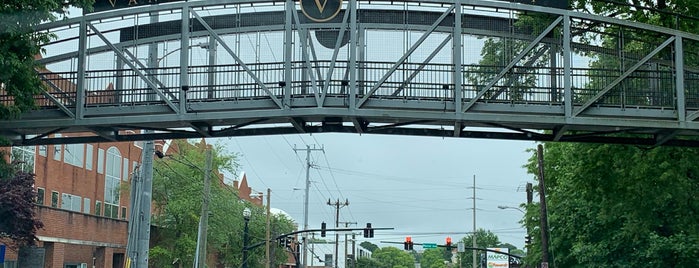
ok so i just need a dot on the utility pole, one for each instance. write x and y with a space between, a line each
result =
267 233
544 218
337 206
354 250
140 240
305 203
473 237
346 223
530 197
204 217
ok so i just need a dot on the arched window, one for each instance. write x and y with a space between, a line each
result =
111 183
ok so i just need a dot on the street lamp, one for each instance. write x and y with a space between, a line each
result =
246 216
527 237
508 207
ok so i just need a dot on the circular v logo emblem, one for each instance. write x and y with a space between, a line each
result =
320 10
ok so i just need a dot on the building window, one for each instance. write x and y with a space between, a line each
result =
24 156
86 205
100 161
40 192
43 149
123 213
54 199
125 171
71 202
89 150
111 211
74 154
98 208
57 149
112 181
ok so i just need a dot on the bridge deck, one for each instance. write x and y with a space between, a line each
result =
261 67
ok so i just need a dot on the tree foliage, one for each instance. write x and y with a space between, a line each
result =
177 196
484 239
20 44
387 257
620 206
369 246
433 258
18 220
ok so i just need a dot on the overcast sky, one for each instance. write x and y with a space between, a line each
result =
421 186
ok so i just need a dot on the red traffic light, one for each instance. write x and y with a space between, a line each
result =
408 239
448 240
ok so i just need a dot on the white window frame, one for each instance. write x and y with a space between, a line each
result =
86 205
74 154
100 161
112 181
71 202
26 155
89 151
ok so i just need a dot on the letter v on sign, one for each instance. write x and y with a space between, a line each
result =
320 10
321 6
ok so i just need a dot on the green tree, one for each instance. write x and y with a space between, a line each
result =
20 44
391 257
177 197
369 246
433 258
365 262
484 239
620 206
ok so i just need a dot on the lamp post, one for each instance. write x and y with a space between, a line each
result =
246 216
526 238
508 207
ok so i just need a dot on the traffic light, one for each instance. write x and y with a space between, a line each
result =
322 229
287 242
368 231
408 244
448 244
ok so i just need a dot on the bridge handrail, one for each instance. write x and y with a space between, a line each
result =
476 3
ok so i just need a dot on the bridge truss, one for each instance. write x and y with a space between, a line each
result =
481 69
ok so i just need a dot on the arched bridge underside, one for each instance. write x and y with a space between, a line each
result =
234 68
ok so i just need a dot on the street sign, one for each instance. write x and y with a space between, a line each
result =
461 247
429 245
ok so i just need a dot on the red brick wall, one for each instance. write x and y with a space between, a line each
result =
72 225
58 176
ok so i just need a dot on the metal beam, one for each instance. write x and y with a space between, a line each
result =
336 51
623 76
512 63
202 128
303 35
422 66
558 132
59 104
406 55
679 80
511 80
136 70
82 65
360 125
298 124
237 59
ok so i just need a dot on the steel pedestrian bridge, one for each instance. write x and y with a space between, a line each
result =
220 68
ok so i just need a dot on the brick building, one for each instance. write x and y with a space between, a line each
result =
82 202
